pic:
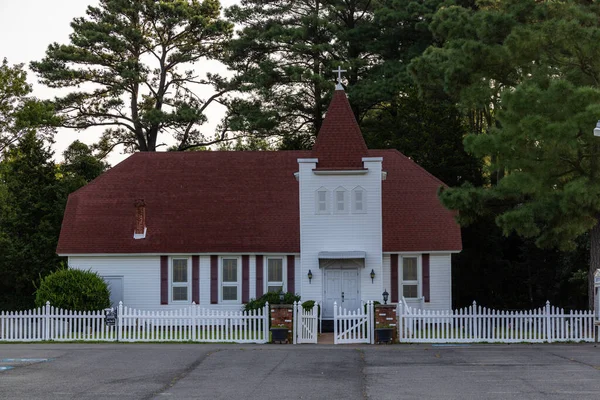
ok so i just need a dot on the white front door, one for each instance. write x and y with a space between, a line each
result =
341 287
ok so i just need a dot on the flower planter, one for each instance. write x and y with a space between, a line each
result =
279 335
384 335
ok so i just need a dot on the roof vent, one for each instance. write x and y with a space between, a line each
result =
140 219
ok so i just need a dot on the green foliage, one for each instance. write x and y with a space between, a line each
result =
526 72
20 113
285 53
33 194
271 298
73 289
31 210
129 64
80 165
308 305
430 132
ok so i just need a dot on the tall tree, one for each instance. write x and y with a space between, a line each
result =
13 89
80 165
33 194
19 112
286 51
30 218
130 65
535 63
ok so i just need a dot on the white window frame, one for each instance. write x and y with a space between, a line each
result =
418 282
343 190
283 275
187 284
237 284
318 202
364 200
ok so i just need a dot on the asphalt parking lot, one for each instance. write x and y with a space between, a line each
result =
199 371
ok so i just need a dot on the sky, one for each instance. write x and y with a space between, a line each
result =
27 27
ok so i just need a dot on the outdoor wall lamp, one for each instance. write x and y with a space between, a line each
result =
372 275
385 295
281 296
309 276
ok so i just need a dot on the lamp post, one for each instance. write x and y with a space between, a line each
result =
385 295
281 296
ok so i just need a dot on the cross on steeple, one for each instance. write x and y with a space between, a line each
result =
339 71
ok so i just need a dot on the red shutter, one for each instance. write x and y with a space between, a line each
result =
245 279
291 268
394 280
426 277
164 280
214 279
259 276
196 279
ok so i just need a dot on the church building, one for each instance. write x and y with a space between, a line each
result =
339 223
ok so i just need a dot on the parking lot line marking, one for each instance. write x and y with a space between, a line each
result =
25 360
5 368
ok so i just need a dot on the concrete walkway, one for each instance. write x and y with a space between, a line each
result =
325 338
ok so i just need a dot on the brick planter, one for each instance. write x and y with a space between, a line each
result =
385 316
283 314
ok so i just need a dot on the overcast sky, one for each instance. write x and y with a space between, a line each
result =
27 27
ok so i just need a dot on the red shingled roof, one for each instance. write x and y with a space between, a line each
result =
202 202
246 202
340 144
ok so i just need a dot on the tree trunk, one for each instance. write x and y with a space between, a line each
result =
594 262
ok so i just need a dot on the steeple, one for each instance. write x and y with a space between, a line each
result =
340 143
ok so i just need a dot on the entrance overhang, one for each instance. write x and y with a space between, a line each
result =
342 255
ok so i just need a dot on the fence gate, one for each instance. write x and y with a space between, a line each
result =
306 323
353 326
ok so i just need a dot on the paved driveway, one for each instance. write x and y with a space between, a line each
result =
152 371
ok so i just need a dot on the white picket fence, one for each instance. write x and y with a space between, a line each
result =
353 326
306 323
189 324
476 324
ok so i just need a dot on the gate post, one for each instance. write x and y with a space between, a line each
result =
370 319
335 325
295 324
399 319
266 319
548 319
120 322
47 322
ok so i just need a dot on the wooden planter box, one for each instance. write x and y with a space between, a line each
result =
384 335
279 335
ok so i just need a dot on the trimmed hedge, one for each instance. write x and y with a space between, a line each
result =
73 289
272 298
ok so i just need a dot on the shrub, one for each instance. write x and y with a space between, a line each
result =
272 298
73 289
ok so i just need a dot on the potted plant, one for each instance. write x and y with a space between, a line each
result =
384 334
279 333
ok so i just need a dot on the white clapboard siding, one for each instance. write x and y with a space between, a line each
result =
440 283
340 232
141 276
476 324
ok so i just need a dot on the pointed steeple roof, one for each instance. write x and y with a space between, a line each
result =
340 143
